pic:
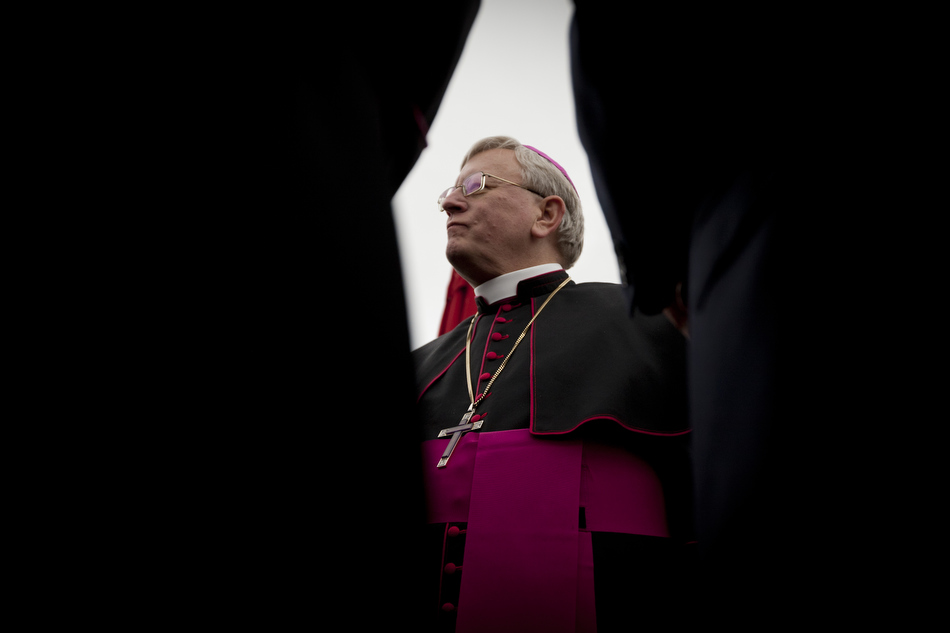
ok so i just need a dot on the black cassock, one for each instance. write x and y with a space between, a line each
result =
571 502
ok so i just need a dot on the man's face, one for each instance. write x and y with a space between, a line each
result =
489 232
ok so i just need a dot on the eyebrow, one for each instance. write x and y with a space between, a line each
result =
461 179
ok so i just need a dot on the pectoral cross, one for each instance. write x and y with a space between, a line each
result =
456 431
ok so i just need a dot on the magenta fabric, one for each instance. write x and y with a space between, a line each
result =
621 493
527 564
449 489
520 570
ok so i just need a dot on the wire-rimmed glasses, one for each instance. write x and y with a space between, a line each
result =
475 183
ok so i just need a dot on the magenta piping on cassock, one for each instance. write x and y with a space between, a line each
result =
531 419
632 429
440 374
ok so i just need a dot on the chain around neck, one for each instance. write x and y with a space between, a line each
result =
468 347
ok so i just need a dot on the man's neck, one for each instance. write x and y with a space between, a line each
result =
504 286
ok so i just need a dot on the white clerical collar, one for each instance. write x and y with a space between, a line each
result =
506 285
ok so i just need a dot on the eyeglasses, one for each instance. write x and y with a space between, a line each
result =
476 183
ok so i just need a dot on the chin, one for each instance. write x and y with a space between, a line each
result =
461 265
456 256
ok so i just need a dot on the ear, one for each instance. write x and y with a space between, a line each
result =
550 213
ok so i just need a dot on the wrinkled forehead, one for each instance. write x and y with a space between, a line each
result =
498 162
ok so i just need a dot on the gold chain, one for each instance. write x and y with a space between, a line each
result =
468 347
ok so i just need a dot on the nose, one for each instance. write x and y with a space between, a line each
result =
454 202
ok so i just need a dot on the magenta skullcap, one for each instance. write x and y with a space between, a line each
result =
553 162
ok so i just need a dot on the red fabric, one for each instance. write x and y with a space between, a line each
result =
459 303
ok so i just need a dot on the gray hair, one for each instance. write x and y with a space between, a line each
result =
540 174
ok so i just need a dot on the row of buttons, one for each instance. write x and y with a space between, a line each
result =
498 336
451 582
454 545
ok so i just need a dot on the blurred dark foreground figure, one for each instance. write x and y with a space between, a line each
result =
286 488
744 163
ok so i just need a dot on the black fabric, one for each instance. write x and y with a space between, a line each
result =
265 151
642 582
754 157
589 362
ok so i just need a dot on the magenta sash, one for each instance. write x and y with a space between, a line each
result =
527 564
